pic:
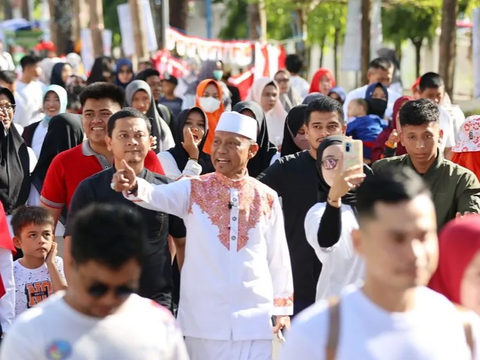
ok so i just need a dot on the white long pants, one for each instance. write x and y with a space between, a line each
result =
202 349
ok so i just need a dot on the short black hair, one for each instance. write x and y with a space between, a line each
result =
419 112
8 76
391 186
108 234
294 63
325 104
381 64
103 90
145 74
29 60
430 80
28 215
125 113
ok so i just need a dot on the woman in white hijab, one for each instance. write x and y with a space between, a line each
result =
265 92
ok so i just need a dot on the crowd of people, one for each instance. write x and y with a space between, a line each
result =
196 224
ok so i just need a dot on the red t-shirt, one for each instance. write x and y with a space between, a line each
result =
69 168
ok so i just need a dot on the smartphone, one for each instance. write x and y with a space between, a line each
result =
353 155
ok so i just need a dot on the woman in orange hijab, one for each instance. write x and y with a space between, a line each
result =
322 82
467 151
209 99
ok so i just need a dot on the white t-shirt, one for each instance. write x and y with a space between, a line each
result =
39 137
446 124
359 93
432 331
32 95
341 264
141 329
301 85
32 286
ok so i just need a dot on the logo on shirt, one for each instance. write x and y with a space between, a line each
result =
59 350
37 292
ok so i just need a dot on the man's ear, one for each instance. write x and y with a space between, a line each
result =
440 135
252 151
108 141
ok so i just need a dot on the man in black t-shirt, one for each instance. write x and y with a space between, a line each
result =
129 139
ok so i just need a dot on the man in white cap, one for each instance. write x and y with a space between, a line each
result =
237 271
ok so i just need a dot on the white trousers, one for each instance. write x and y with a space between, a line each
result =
202 349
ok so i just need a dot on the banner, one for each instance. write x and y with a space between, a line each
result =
476 52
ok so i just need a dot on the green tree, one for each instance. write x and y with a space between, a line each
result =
413 22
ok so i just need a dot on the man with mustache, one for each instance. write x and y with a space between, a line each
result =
295 179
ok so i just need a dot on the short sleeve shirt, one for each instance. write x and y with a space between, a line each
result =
156 278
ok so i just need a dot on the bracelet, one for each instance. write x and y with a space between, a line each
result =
193 159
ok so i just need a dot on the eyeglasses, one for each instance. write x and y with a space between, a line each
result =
7 107
329 164
99 290
282 80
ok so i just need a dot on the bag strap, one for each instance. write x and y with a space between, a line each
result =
467 327
334 328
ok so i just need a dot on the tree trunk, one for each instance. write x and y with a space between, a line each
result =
139 33
7 9
447 44
97 26
302 25
178 13
398 50
366 26
336 41
61 16
257 20
322 51
25 10
418 55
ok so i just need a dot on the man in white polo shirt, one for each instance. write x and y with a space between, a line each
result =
393 315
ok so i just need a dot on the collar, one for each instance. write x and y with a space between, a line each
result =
436 164
237 184
87 149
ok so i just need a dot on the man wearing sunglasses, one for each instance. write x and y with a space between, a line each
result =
99 316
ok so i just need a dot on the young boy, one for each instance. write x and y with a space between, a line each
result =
169 84
363 127
39 273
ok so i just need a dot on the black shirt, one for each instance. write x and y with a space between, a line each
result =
295 179
156 278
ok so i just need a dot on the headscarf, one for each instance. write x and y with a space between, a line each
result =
275 117
376 106
314 87
379 145
214 117
102 70
206 73
56 78
350 198
62 97
120 64
14 165
340 91
179 153
295 120
47 65
75 62
291 98
64 132
266 150
312 97
459 242
160 128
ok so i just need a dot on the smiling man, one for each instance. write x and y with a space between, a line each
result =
236 273
295 179
455 190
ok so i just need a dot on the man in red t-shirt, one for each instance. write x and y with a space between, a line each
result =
69 168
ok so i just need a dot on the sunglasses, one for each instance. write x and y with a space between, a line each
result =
99 290
330 164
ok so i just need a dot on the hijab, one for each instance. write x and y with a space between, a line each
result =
295 120
340 91
121 63
266 150
179 153
160 128
376 106
459 242
62 97
213 117
312 97
14 165
64 132
276 116
314 86
397 106
102 70
56 78
350 198
206 73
